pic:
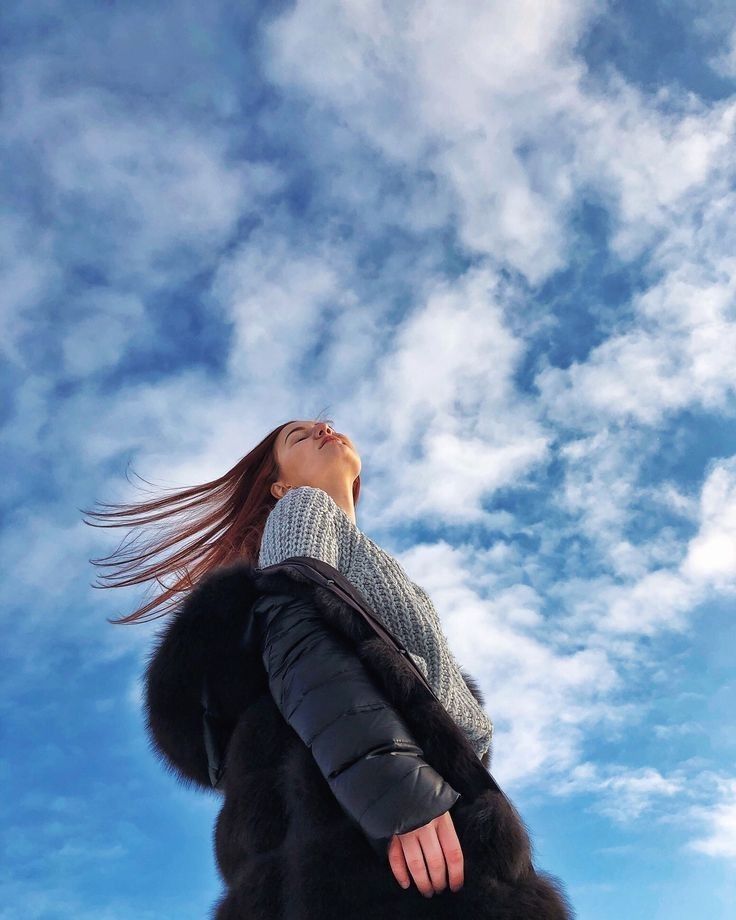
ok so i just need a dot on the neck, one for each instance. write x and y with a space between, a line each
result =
342 493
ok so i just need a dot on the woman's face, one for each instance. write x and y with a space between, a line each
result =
312 453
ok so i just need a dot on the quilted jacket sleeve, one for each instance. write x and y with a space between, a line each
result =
360 743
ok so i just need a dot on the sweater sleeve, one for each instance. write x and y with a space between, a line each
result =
361 744
455 692
302 523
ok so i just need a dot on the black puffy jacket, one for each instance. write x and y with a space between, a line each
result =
364 749
280 690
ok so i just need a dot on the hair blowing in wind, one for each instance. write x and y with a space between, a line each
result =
194 530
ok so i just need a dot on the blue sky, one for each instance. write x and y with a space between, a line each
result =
497 243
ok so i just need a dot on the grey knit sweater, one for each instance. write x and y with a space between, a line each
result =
307 521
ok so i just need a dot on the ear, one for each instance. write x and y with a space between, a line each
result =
279 489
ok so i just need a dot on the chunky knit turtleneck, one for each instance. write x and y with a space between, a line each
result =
307 521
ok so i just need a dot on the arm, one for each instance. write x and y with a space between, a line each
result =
362 746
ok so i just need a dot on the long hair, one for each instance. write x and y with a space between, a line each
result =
223 520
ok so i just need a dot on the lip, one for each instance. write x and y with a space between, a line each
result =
329 437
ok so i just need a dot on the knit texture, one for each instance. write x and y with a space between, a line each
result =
307 521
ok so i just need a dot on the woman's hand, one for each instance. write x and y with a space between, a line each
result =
432 854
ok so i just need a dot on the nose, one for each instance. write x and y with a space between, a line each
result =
323 429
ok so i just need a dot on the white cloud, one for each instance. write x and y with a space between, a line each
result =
678 353
541 699
465 120
711 554
509 124
622 793
719 839
658 590
663 163
146 198
448 378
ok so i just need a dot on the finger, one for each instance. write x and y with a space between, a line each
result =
453 851
398 862
415 863
434 858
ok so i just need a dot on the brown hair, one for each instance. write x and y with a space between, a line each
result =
228 526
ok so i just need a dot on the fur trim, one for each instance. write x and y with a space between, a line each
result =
280 826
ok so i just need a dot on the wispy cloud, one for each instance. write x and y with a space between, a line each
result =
623 794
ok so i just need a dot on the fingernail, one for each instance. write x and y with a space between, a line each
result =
405 885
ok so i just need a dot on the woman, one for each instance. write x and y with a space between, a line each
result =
316 691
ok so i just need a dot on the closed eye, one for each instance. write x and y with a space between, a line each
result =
328 421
